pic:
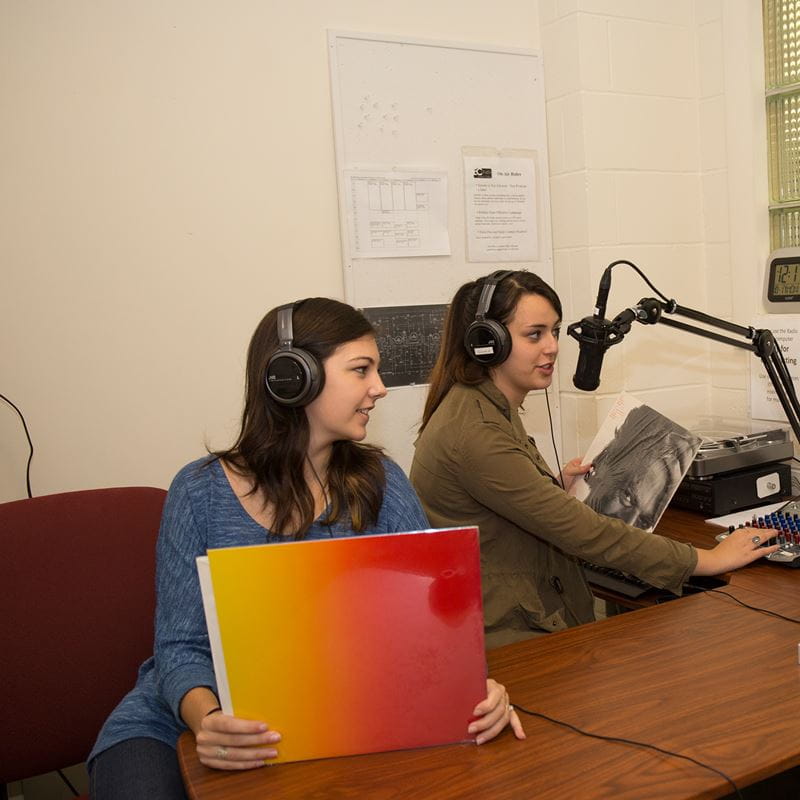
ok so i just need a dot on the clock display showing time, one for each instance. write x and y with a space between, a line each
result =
785 278
782 281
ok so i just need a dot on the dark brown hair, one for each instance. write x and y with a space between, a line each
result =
453 364
273 439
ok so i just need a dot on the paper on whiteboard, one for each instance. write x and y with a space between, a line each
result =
501 209
396 214
764 403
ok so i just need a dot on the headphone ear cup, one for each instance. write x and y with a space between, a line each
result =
294 377
488 342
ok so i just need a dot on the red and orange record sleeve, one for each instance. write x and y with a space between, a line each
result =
350 645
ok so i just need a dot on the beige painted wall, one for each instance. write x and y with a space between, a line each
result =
168 176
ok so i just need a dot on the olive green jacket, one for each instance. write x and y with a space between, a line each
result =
475 464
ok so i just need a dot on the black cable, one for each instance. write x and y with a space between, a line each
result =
623 740
324 494
746 605
67 781
553 439
30 444
641 275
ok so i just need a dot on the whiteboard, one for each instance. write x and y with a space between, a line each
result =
420 105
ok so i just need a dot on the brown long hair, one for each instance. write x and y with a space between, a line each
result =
453 364
273 439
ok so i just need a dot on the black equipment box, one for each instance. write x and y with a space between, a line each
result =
715 495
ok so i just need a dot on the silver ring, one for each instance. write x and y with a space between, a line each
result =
222 753
756 539
509 708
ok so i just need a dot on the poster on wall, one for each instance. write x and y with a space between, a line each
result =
501 215
396 214
764 402
408 341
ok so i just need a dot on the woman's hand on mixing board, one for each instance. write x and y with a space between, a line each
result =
739 548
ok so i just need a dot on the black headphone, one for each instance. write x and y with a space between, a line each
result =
294 376
488 341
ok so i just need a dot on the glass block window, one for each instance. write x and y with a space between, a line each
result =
782 42
782 55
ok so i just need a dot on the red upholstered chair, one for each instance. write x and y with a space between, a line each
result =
77 602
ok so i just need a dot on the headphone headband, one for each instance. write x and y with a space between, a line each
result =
285 332
489 285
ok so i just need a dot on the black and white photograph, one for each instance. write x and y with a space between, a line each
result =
638 458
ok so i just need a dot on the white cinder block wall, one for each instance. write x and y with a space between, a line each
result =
736 258
640 97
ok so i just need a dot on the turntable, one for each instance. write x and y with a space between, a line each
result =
736 467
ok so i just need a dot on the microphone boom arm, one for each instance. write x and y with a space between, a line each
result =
650 311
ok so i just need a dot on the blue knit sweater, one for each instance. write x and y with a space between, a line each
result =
202 512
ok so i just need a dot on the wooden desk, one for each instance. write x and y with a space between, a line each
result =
769 580
700 675
686 526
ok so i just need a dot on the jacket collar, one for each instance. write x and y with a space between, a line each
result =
491 392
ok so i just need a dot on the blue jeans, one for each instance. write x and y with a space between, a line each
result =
136 769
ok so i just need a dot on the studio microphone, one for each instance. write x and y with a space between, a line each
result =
595 335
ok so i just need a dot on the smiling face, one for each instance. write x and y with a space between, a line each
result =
534 328
352 387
